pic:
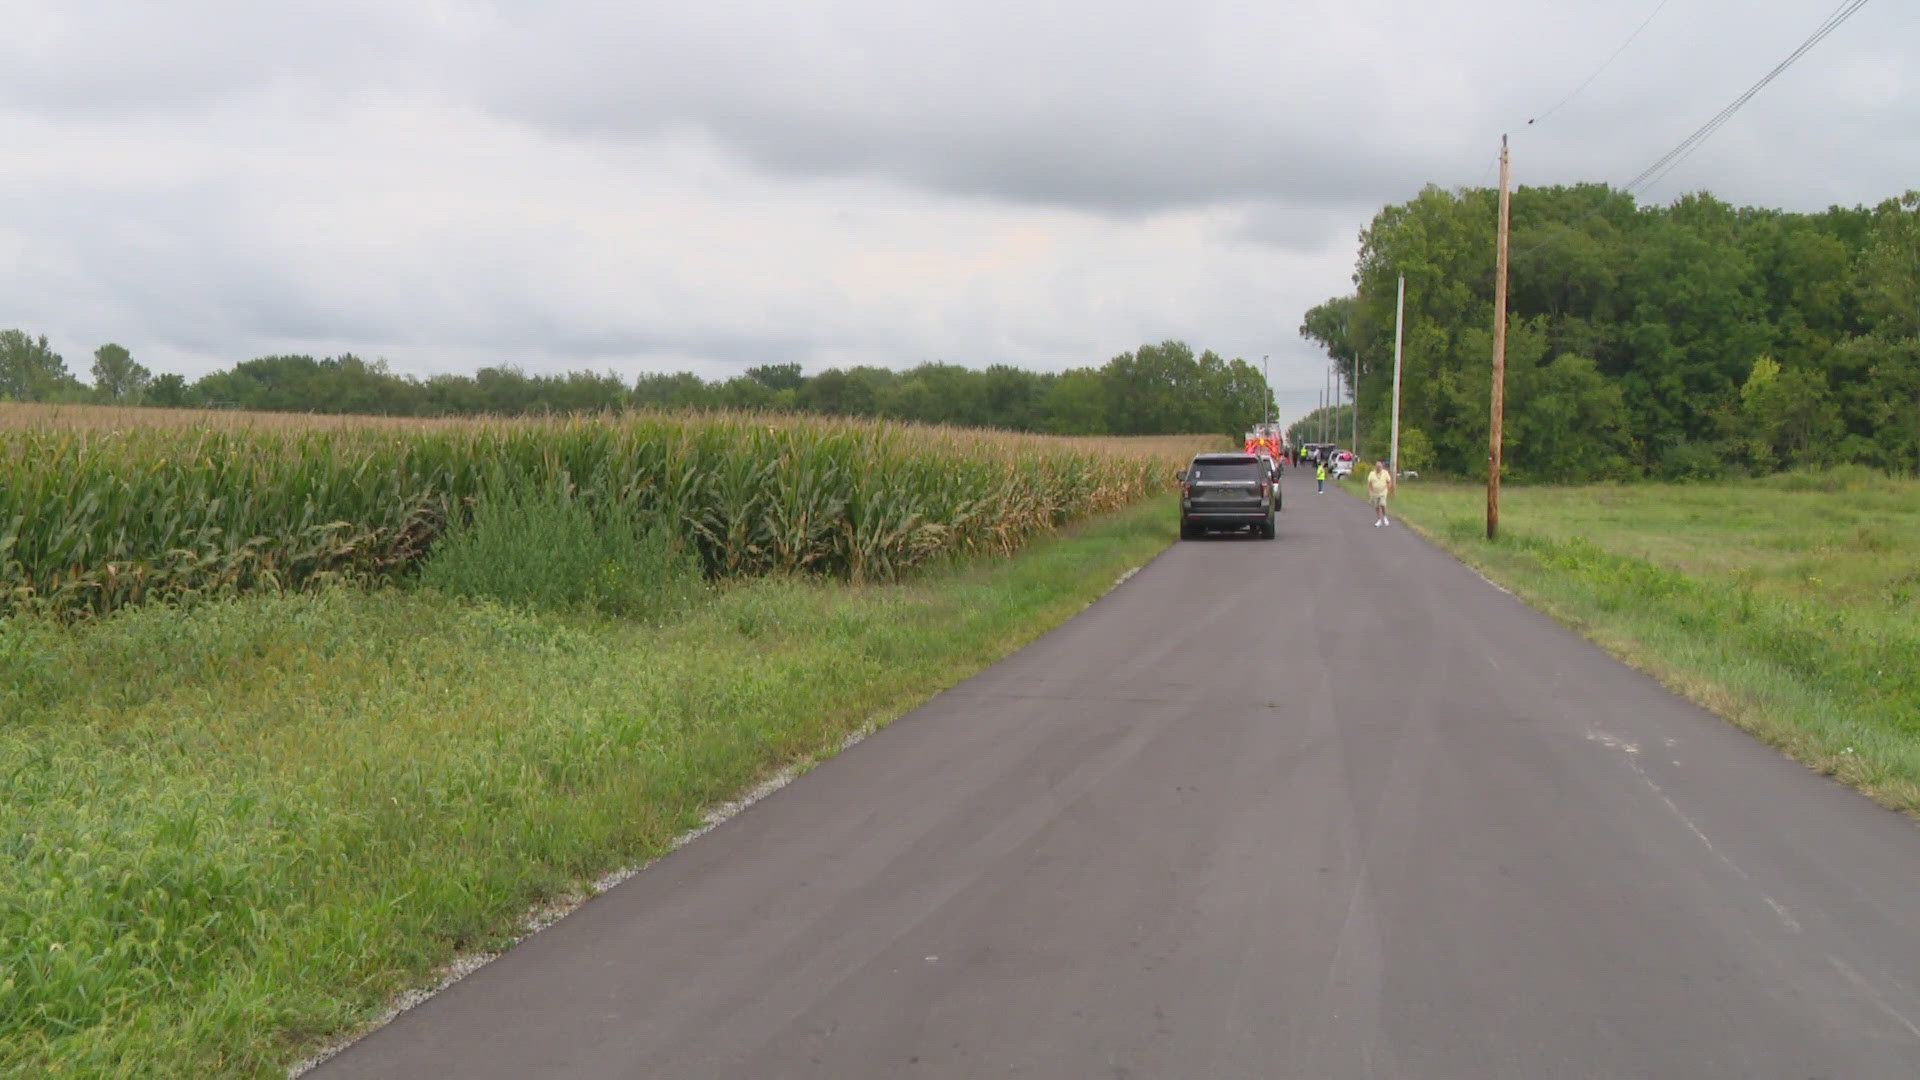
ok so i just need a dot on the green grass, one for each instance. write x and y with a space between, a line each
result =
232 832
552 549
1790 605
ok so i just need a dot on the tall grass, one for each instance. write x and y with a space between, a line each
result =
94 517
552 549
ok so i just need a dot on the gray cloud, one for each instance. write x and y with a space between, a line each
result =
90 59
639 186
1090 106
1140 107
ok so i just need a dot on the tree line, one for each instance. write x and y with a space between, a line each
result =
1153 390
1683 341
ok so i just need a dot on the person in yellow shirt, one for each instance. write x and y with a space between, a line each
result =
1320 479
1379 486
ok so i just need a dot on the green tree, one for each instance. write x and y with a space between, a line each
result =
1076 404
1159 390
842 393
1331 326
1890 279
1013 399
169 391
912 397
777 376
1788 416
1569 423
744 392
683 390
30 370
1238 391
116 377
1893 386
1416 451
1668 304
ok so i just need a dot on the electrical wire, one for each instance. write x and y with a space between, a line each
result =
1654 173
1487 173
1671 160
1604 65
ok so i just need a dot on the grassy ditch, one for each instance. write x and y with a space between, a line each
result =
1790 605
233 832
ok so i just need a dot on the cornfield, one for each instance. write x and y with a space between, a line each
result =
95 516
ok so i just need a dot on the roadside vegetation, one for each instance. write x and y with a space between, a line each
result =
294 711
1789 605
94 518
1154 389
233 830
1694 341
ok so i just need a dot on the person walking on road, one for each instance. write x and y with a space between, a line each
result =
1320 479
1379 486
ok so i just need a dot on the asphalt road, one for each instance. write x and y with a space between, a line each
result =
1323 807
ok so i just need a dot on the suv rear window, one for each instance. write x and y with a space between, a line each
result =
1228 470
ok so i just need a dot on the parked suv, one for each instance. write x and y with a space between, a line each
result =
1226 491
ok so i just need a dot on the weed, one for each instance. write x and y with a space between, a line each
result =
553 549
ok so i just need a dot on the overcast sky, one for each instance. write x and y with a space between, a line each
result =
635 186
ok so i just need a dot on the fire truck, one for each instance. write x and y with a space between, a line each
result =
1266 440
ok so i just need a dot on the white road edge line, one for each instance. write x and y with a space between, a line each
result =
1630 751
560 907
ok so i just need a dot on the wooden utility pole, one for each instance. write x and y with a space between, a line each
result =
1399 332
1499 356
1353 392
1266 399
1326 404
1352 400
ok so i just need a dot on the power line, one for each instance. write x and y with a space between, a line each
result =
1672 158
1659 169
1608 62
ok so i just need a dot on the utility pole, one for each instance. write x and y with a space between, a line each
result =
1399 333
1353 408
1499 356
1353 405
1327 431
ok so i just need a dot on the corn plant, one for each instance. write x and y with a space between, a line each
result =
96 517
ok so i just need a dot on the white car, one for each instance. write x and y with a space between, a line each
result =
1342 464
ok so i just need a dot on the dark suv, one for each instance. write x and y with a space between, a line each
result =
1227 491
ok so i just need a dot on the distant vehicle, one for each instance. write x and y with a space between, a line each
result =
1265 439
1314 453
1342 463
1272 465
1227 491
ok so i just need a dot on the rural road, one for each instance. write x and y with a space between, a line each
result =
1326 807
